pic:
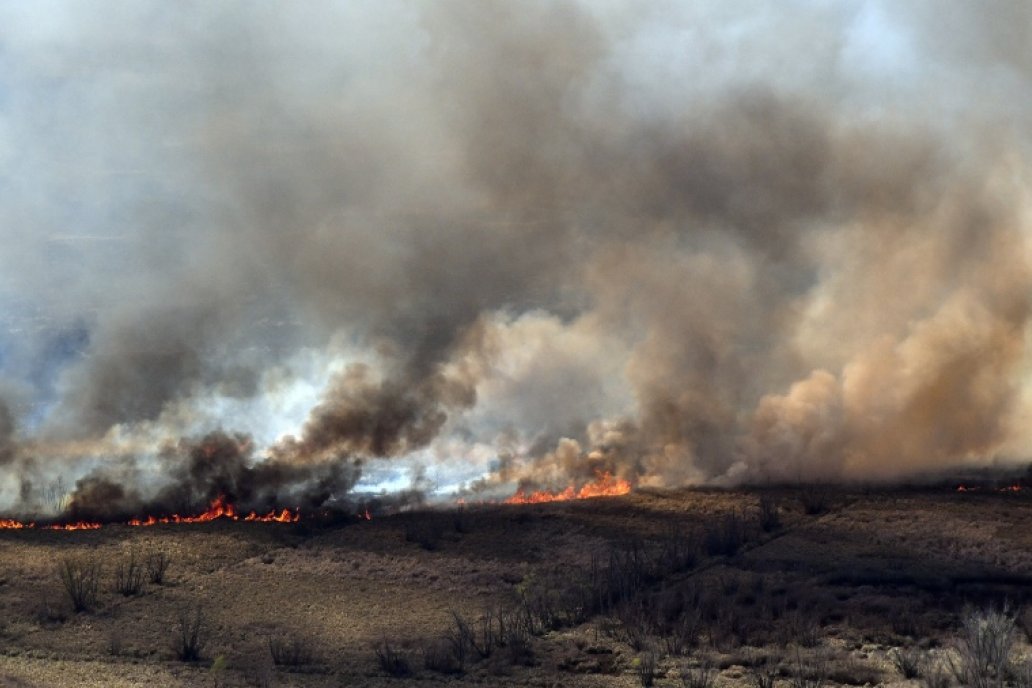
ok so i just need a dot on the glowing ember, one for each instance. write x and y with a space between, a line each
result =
975 488
604 486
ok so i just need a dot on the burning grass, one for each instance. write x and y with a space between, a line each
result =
605 485
219 508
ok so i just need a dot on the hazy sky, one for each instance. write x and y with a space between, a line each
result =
701 240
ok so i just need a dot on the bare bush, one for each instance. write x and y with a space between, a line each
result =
392 661
677 552
514 636
904 621
1024 621
814 499
115 641
49 612
770 514
811 672
424 531
189 634
983 648
803 628
439 656
647 666
636 622
682 634
81 579
764 674
934 672
461 520
701 675
907 661
725 536
129 576
480 635
291 650
157 567
1021 674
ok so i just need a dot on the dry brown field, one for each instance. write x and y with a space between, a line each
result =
825 597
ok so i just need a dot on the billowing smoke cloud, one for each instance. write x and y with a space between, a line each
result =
216 466
527 241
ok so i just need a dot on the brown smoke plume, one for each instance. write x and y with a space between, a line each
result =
514 242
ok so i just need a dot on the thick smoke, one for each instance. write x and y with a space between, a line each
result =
218 465
522 242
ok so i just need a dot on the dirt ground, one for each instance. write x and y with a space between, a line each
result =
873 571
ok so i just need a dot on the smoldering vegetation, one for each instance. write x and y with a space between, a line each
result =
526 242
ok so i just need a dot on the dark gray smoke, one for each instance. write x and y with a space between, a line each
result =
527 241
218 465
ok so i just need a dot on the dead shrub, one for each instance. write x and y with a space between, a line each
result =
392 662
700 675
764 674
129 576
983 648
291 650
462 522
934 672
637 626
49 612
115 642
1024 621
515 638
814 499
770 514
907 661
677 552
809 672
647 666
438 655
683 634
425 531
189 634
80 577
1021 674
157 567
803 629
725 536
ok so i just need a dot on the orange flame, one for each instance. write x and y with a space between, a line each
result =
11 524
605 485
220 508
78 525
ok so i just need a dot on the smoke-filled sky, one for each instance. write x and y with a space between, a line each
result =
514 241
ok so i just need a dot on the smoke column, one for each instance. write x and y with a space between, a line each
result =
440 243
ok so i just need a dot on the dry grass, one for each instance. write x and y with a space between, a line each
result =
874 571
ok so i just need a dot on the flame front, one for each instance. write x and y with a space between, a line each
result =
1015 487
605 485
220 508
11 524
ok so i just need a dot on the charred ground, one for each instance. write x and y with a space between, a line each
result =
584 593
